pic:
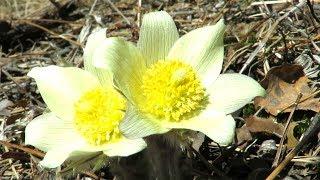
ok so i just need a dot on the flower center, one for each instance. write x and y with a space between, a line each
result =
97 115
172 91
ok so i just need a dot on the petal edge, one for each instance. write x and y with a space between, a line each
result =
157 35
232 91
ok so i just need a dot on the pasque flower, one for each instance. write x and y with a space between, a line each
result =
172 82
85 115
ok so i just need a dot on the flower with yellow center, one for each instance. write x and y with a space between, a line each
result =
172 82
85 115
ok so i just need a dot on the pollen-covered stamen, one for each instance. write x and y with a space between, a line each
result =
172 91
97 115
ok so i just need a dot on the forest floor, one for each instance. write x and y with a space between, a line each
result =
274 42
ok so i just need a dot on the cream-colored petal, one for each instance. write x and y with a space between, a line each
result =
138 125
54 136
157 35
94 41
125 62
47 132
216 125
232 91
203 49
125 147
61 87
55 157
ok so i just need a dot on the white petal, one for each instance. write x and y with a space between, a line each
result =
56 156
216 125
157 35
94 41
203 49
54 136
61 87
230 92
125 62
125 147
47 132
138 125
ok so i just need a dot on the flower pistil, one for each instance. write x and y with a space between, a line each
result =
98 114
172 91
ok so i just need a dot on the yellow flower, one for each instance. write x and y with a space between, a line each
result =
172 82
85 115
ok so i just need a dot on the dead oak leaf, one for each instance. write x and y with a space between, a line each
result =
292 141
281 96
243 134
265 125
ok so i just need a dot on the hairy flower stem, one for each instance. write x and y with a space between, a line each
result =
166 158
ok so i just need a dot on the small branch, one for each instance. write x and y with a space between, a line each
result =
90 174
307 136
52 33
25 149
139 13
118 11
209 166
312 11
271 30
277 158
56 4
302 100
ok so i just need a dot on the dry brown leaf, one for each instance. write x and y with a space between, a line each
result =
266 125
288 73
4 104
283 89
291 140
243 134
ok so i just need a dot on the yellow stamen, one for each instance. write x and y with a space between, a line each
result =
172 91
98 114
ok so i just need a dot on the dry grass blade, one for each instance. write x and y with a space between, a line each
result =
270 32
283 137
25 149
311 131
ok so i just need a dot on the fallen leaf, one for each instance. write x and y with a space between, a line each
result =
16 155
291 139
266 125
288 73
3 107
267 148
283 88
243 134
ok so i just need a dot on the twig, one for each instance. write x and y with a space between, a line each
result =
270 2
310 132
271 30
12 79
258 111
312 11
302 100
234 56
277 158
56 4
92 7
25 149
90 174
52 33
209 166
139 13
118 11
48 20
